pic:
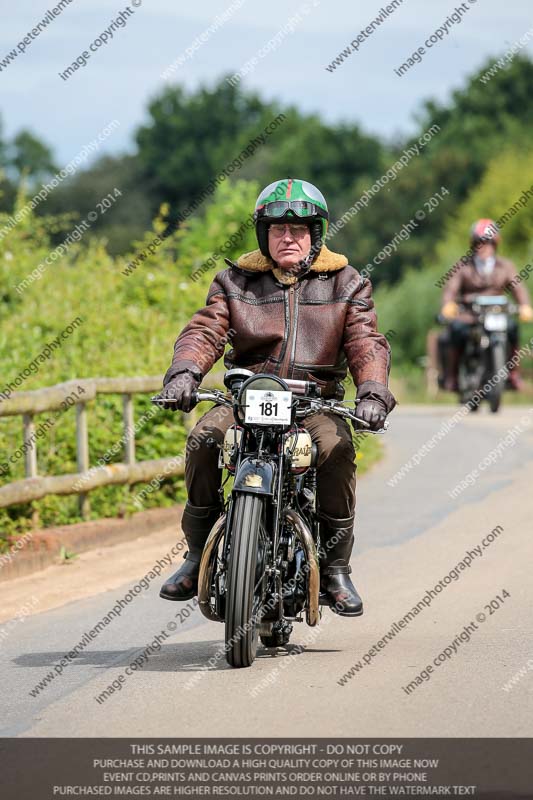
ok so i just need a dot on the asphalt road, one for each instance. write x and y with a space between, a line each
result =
409 537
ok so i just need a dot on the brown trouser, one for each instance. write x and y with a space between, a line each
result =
335 468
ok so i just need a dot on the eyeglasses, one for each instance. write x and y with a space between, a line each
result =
296 231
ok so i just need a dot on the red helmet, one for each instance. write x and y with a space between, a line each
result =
485 231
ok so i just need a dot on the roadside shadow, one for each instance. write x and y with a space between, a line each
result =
191 657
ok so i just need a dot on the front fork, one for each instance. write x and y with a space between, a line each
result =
261 476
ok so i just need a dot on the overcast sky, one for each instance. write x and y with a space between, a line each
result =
122 76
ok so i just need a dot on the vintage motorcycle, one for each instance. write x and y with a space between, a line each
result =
485 351
259 570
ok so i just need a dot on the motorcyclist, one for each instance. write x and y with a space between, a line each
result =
482 273
295 309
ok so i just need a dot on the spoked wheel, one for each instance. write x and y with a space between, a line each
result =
495 393
246 579
470 378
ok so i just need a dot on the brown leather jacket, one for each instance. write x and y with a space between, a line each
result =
312 327
466 282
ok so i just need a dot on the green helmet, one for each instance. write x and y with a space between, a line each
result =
289 199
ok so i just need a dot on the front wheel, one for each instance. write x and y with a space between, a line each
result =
246 579
498 367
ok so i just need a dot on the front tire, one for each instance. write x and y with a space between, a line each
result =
498 363
246 579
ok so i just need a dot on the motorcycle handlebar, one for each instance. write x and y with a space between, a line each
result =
199 397
473 309
219 397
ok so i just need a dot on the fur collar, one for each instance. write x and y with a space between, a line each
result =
327 261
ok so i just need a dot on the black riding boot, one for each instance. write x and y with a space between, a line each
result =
196 523
336 588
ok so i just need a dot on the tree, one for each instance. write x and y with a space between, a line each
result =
28 155
25 156
7 191
3 161
481 116
478 122
331 156
190 138
127 218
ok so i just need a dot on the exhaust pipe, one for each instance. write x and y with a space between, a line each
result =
312 612
207 565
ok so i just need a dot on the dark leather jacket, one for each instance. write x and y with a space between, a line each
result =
466 282
312 326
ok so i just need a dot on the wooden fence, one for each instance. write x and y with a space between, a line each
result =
129 471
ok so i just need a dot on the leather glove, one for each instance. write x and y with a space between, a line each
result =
373 412
450 310
180 388
525 313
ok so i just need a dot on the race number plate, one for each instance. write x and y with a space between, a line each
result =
496 322
265 407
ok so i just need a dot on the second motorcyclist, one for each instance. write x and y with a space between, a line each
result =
484 272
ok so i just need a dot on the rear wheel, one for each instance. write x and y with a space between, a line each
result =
473 403
280 635
246 579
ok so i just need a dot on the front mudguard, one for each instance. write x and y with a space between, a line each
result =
255 476
498 339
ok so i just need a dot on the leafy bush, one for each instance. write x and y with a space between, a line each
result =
129 326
